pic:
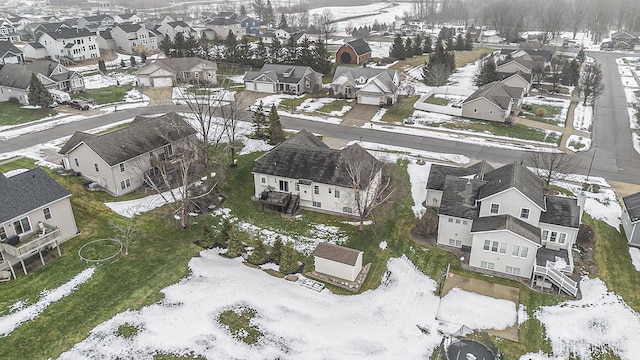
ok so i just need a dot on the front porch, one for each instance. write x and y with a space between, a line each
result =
29 245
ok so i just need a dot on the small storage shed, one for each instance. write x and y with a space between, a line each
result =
338 261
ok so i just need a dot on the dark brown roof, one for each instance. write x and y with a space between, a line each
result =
75 139
141 136
337 253
506 222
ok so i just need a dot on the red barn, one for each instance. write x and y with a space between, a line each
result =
354 52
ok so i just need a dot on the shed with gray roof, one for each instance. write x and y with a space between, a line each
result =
337 261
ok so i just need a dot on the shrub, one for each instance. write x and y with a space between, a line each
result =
259 255
428 223
288 260
542 112
14 100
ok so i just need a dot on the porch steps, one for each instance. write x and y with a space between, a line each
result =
292 208
557 278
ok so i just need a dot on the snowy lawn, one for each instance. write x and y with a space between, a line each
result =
582 117
578 143
486 312
635 257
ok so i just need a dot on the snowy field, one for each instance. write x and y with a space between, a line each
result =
582 117
382 13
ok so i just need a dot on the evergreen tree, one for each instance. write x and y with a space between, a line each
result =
450 46
570 73
259 122
269 16
223 234
408 48
190 46
259 255
122 63
259 54
230 52
441 64
488 74
243 10
468 42
397 49
306 53
132 59
102 67
143 58
581 56
460 45
283 22
38 94
275 48
288 260
417 45
427 46
259 8
208 239
179 44
167 46
291 52
244 51
234 244
321 55
276 134
276 251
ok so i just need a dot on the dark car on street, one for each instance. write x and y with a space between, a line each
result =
79 104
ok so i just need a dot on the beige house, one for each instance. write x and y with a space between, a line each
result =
366 85
520 63
495 101
337 261
173 71
304 172
506 223
35 215
276 78
517 80
120 160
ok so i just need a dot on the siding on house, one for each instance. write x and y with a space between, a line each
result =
501 261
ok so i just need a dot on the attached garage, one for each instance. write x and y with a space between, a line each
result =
368 99
265 87
165 81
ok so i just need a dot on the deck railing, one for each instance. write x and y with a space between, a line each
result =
31 247
564 282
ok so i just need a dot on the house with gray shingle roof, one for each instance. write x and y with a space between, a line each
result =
133 38
366 85
502 217
67 44
273 78
631 218
35 214
16 78
303 170
9 54
495 101
172 71
118 160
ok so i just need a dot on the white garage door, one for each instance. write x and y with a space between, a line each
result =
162 82
144 81
369 99
262 87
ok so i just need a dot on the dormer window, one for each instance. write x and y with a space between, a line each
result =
287 73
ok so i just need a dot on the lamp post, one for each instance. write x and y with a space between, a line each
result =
591 164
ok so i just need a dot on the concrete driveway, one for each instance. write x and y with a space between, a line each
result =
359 114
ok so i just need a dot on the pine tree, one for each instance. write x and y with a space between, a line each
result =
223 234
102 66
450 46
179 44
208 239
581 56
269 16
259 255
397 49
276 251
243 10
275 48
291 52
408 48
234 244
488 73
570 73
468 42
259 122
276 134
417 45
283 22
132 59
167 47
460 45
306 55
427 46
244 51
143 58
288 260
321 61
38 94
230 52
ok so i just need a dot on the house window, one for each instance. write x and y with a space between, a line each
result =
487 265
495 208
464 222
263 180
283 185
95 165
450 220
512 270
168 150
121 167
317 204
524 213
457 221
563 238
494 246
487 245
490 112
316 189
516 250
76 161
525 252
22 226
475 110
545 234
297 186
47 213
3 233
125 184
456 243
347 210
336 193
553 237
503 248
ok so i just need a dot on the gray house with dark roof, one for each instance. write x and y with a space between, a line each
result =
118 160
503 218
304 172
274 78
16 78
631 218
495 101
366 85
9 54
35 214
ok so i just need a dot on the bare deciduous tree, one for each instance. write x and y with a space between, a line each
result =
552 166
505 17
126 231
578 13
326 24
591 85
370 188
552 17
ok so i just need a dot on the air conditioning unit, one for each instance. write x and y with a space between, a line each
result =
94 186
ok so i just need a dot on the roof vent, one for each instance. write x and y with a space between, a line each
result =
287 73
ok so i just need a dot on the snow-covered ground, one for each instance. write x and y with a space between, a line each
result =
382 13
582 117
130 208
578 143
114 79
635 257
559 118
494 313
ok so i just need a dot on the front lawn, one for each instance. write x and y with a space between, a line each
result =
437 101
400 110
107 95
335 105
546 115
17 163
462 58
515 131
14 114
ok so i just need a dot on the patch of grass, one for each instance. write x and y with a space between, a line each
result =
462 58
516 131
437 101
562 190
127 331
549 118
239 324
611 252
335 105
576 145
274 273
14 114
19 163
119 126
105 95
400 110
191 356
291 104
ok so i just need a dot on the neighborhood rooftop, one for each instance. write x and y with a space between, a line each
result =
337 253
506 222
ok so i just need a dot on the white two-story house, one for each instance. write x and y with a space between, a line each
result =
121 160
506 223
305 172
170 29
134 38
65 44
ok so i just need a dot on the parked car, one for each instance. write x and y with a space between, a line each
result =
79 104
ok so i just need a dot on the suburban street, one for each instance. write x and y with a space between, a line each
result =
615 158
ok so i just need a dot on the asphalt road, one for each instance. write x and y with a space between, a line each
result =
615 158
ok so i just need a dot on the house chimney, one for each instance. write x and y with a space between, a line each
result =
582 199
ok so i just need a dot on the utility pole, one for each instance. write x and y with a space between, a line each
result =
591 164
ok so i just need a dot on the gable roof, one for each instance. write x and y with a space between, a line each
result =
276 71
175 65
94 18
459 197
6 47
632 204
506 222
337 253
141 136
438 173
503 75
360 47
304 156
22 193
18 76
129 28
497 93
74 140
561 211
67 33
516 176
223 21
